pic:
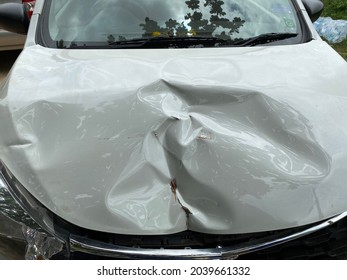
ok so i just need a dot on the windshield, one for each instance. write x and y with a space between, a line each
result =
128 23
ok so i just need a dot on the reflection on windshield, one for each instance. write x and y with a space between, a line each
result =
200 20
108 21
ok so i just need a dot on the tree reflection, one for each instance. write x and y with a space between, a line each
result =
196 25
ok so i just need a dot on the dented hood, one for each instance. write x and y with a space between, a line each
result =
229 140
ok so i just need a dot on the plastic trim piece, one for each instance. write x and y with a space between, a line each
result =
85 245
34 209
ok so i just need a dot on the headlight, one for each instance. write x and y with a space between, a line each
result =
23 220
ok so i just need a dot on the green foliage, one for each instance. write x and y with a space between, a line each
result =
198 25
337 9
341 48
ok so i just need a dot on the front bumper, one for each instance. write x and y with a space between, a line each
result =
36 233
96 248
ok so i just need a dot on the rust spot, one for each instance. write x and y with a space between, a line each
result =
185 209
173 186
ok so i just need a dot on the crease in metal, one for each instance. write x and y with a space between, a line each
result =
250 153
173 186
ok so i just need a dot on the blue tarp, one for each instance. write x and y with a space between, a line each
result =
334 31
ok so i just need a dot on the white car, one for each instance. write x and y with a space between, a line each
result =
174 129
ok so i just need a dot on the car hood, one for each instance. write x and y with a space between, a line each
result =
229 140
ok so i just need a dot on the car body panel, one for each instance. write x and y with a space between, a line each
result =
220 140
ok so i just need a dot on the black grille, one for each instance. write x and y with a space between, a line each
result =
328 243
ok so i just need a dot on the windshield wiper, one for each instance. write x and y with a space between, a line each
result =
181 42
264 38
171 42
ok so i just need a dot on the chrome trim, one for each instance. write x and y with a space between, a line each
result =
85 245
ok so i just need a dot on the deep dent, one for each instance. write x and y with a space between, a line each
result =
205 138
202 150
250 148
